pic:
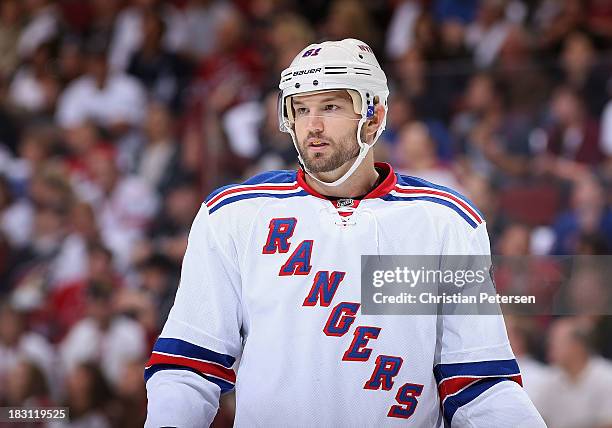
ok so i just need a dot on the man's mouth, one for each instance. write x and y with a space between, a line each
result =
314 143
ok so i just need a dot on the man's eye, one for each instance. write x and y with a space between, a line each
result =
300 111
331 107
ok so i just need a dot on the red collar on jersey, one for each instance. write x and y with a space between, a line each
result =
382 189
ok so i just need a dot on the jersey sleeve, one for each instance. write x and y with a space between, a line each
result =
193 360
479 381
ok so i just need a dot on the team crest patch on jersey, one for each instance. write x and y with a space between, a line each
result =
345 203
345 208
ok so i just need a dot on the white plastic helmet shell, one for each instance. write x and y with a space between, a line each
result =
346 64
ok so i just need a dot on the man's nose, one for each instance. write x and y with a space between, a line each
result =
315 123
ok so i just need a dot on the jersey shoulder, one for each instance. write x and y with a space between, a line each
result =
412 189
271 184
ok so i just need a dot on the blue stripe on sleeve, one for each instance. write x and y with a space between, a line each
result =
180 347
452 403
480 368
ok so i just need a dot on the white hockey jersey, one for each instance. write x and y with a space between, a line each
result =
269 302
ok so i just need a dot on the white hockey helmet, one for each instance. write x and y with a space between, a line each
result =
346 64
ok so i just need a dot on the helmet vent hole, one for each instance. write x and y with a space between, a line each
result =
360 56
315 82
297 85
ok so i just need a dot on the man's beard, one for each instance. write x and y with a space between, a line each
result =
342 151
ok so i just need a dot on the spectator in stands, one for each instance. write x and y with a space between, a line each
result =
427 37
417 156
160 70
598 19
121 221
103 337
93 20
199 27
52 253
272 142
167 236
159 279
557 19
20 348
582 381
523 97
43 26
486 199
132 396
10 17
401 111
288 36
516 273
158 160
34 148
482 104
35 88
425 90
233 72
83 223
230 76
253 133
141 306
113 101
514 241
401 31
581 71
592 244
523 334
485 136
486 35
68 301
89 398
16 216
349 18
127 37
588 214
587 294
10 127
70 60
606 126
26 386
452 46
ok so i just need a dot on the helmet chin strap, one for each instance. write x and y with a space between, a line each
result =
363 151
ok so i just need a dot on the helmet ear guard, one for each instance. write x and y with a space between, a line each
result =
349 65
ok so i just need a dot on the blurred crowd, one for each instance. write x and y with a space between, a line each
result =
117 117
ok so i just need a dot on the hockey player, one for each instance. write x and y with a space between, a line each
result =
269 298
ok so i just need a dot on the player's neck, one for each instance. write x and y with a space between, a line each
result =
359 183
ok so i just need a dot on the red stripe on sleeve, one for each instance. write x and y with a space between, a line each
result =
453 385
201 366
